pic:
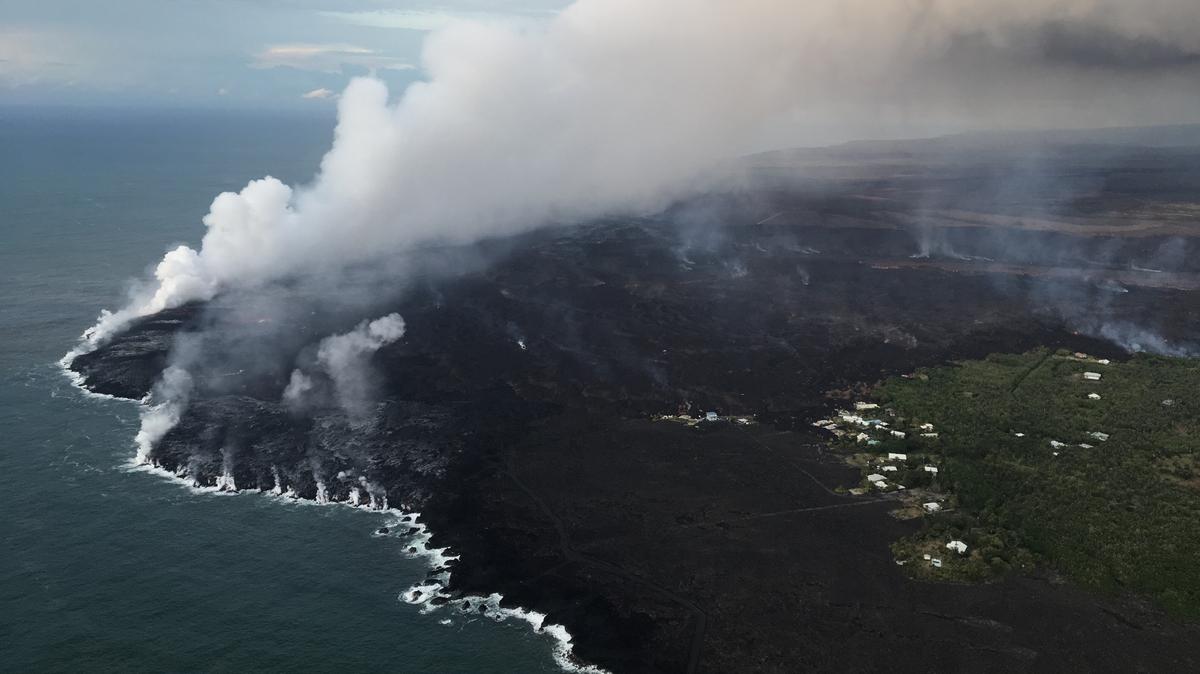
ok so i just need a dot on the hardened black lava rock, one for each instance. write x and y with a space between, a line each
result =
515 415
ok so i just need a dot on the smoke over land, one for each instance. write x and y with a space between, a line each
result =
571 226
343 359
622 106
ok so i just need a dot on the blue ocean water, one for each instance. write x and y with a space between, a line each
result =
104 569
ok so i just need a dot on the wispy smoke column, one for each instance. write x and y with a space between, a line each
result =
1137 339
297 390
345 358
167 403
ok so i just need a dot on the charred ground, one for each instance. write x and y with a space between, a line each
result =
516 413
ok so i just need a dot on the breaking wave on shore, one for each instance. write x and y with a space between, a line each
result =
430 595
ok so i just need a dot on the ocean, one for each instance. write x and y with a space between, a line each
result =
103 568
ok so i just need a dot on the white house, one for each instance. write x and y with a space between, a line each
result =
712 416
937 562
1084 445
880 484
932 506
862 437
1093 396
1104 361
927 427
1091 376
1057 445
1099 436
865 406
929 435
957 546
898 434
1019 435
875 477
893 456
931 469
889 469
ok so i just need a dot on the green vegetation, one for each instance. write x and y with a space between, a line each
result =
1117 515
991 552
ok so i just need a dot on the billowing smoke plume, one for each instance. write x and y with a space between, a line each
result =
622 105
344 359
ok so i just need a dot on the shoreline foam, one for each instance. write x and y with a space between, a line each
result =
416 544
77 380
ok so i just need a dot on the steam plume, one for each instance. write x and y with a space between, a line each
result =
344 358
168 402
622 105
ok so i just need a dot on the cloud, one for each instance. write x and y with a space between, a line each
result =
31 57
430 20
328 58
1097 46
319 94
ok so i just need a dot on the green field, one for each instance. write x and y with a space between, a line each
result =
1121 515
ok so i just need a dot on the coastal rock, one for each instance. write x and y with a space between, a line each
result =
660 547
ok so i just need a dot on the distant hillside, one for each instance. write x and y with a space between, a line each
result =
997 142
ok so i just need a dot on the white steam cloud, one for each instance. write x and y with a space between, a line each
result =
345 358
297 389
622 105
167 403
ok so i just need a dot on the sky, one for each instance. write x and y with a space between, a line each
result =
222 53
874 69
486 119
